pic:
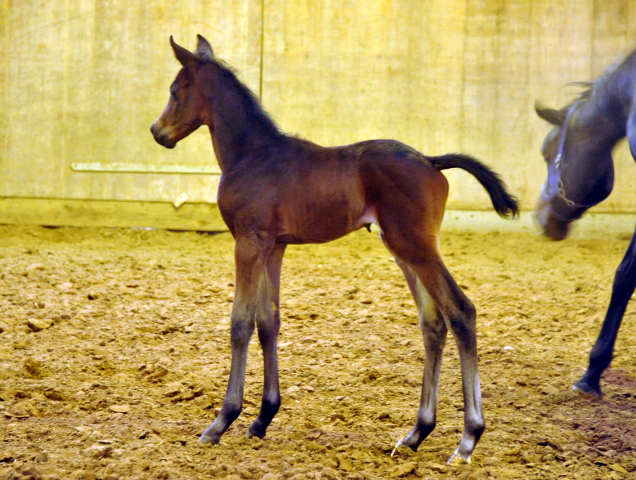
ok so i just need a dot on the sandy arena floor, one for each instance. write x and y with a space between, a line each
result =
114 356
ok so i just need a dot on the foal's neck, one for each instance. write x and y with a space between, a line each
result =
238 124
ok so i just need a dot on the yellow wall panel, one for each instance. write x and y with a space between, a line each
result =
81 82
458 75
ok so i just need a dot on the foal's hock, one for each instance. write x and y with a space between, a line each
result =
277 190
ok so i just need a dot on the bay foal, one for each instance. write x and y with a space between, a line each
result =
277 190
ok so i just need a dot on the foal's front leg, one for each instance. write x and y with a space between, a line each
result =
250 257
268 324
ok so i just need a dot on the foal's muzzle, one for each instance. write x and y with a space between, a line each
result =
161 136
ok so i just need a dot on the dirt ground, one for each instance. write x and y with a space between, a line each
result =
114 356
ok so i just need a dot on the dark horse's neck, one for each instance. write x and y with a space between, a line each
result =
238 124
604 108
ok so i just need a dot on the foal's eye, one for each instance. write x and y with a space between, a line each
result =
173 95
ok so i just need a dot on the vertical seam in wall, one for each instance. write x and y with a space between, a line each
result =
262 46
593 41
462 112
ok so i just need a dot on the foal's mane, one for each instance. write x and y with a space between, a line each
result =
253 109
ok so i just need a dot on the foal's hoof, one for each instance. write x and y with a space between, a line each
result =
205 438
250 434
397 445
411 440
459 459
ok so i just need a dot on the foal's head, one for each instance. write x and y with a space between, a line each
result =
580 168
185 111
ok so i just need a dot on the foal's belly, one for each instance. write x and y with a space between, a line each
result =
320 223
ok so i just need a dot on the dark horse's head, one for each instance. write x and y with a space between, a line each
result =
184 112
580 168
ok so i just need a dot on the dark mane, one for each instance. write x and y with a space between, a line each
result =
254 112
589 89
604 86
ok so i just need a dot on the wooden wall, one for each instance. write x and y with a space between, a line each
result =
81 82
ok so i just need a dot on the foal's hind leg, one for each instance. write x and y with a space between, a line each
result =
434 332
421 255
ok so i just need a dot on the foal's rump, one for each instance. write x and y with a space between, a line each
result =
396 174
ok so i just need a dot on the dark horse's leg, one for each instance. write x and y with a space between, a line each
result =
601 354
252 285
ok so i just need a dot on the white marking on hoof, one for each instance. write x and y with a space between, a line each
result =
459 459
397 445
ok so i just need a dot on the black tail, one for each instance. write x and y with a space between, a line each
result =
505 204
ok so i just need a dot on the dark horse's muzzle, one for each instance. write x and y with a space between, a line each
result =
554 225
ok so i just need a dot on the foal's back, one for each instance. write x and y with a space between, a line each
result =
314 194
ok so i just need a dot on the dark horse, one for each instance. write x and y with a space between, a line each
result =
578 153
277 190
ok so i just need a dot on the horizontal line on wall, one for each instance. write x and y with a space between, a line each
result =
100 213
118 167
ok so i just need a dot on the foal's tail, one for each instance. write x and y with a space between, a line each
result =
505 204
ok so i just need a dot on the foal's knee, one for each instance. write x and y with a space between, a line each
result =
268 330
241 330
468 310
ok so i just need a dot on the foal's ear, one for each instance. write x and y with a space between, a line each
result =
204 50
550 115
187 59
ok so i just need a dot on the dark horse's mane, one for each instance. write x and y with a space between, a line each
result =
254 113
604 87
589 88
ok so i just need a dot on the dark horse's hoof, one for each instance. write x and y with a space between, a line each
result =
586 389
